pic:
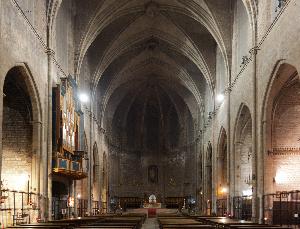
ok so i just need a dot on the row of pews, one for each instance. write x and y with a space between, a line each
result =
110 221
176 221
136 220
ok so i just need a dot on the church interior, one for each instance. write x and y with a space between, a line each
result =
149 113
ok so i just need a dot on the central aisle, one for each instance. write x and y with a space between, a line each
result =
150 223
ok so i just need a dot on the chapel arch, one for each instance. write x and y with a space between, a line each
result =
20 130
222 164
243 153
221 176
282 131
21 169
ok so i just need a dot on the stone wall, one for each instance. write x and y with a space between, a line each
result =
24 41
17 135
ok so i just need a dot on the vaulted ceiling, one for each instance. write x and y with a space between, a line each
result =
123 46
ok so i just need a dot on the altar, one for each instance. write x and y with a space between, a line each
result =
152 206
148 205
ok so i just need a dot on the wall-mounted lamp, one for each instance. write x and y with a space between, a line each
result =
223 190
84 98
281 177
220 98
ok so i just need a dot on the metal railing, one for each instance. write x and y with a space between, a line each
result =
19 207
96 208
61 210
282 208
82 207
221 207
242 207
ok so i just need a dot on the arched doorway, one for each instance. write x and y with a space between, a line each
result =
282 146
21 168
208 178
96 180
243 161
60 193
222 182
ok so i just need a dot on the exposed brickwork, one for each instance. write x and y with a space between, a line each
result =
17 135
286 132
234 26
285 162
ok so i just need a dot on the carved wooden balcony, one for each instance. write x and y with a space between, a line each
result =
69 167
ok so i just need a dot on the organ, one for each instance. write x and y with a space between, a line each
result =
67 159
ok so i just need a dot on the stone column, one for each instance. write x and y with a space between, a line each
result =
48 166
37 179
215 167
260 172
75 198
1 130
90 173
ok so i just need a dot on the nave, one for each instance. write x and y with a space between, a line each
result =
114 108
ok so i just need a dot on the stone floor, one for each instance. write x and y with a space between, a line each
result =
150 223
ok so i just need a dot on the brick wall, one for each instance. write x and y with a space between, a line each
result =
285 139
17 143
17 136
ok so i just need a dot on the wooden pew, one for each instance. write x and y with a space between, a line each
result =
36 227
107 227
188 226
111 225
239 224
61 225
180 222
142 215
260 227
128 221
117 221
225 222
205 219
255 226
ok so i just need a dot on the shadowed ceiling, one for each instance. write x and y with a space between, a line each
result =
151 55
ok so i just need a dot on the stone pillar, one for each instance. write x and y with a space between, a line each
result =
48 166
90 173
1 129
34 178
37 155
232 184
215 181
260 172
255 127
75 198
